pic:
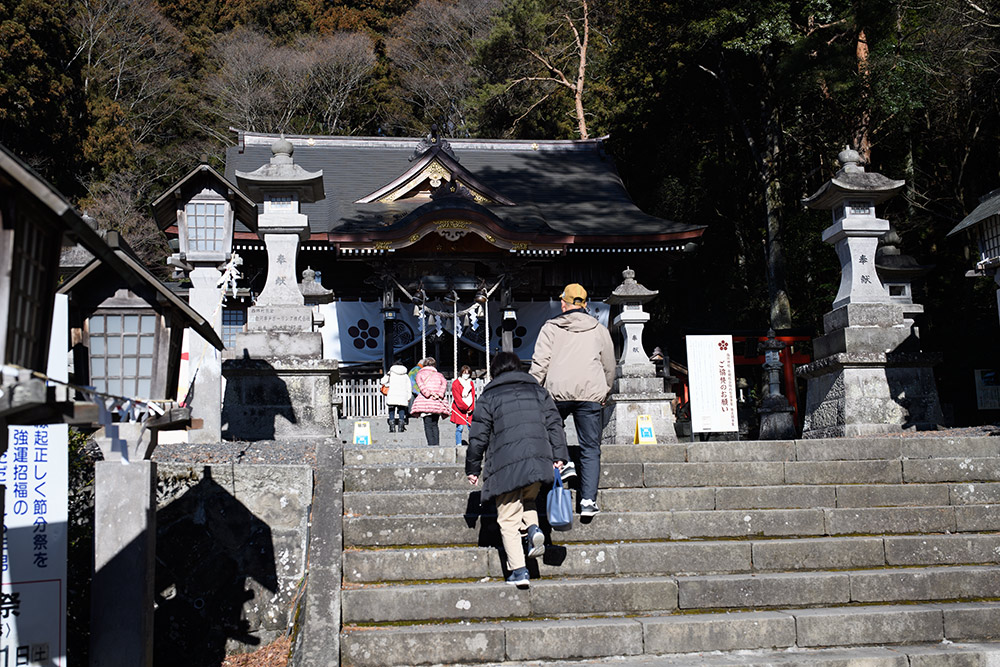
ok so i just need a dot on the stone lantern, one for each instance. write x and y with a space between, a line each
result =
280 386
860 382
983 224
777 417
638 390
201 208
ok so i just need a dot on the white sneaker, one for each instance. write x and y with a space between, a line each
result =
589 507
568 471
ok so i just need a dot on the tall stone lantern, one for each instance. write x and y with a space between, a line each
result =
279 385
637 391
861 382
201 207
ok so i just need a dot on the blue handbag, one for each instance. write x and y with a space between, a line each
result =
559 505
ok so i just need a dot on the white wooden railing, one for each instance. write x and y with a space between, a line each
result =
362 398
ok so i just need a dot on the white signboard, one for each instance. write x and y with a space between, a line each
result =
988 389
34 471
712 384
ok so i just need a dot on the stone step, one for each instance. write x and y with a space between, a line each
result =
677 558
406 448
740 591
371 531
909 655
663 499
496 600
683 639
443 476
562 596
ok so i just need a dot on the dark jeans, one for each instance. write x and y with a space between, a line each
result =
397 413
432 430
587 417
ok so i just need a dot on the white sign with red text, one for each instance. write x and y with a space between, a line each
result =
712 383
34 472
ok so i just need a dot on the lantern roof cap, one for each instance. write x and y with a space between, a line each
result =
630 291
853 181
281 173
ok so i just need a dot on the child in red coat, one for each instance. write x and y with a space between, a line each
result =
463 402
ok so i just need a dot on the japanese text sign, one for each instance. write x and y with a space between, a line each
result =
712 383
34 472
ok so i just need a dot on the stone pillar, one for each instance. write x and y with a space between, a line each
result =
121 625
204 359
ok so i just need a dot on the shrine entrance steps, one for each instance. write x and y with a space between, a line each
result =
876 552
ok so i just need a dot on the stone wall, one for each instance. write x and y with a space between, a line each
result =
230 557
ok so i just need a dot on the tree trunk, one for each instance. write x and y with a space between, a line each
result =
781 309
862 138
581 75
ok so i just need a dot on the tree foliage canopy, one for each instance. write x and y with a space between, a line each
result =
720 112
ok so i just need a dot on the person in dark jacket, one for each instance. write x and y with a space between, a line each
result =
517 426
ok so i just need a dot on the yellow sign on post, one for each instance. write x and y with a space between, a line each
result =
362 433
644 431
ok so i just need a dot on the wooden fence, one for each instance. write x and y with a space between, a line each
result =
361 398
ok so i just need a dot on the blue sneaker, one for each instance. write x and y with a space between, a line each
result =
519 578
536 542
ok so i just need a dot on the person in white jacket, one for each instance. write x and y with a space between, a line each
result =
397 396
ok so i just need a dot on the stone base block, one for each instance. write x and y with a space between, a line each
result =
848 401
625 409
777 424
279 400
277 344
863 315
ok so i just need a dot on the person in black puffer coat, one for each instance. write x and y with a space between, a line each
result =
517 423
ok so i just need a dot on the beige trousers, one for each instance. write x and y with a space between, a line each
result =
515 512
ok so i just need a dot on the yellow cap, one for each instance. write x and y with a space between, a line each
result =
575 295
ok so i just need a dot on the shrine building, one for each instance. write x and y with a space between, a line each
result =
412 234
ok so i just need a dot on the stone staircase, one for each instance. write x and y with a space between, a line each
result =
779 549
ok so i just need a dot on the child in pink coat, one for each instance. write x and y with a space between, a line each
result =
431 402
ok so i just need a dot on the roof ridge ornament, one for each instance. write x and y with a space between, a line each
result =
430 142
850 160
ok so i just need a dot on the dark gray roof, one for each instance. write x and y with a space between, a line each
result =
989 206
560 187
136 275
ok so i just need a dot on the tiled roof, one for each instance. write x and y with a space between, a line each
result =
989 206
560 187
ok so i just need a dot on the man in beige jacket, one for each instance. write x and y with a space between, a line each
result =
575 360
